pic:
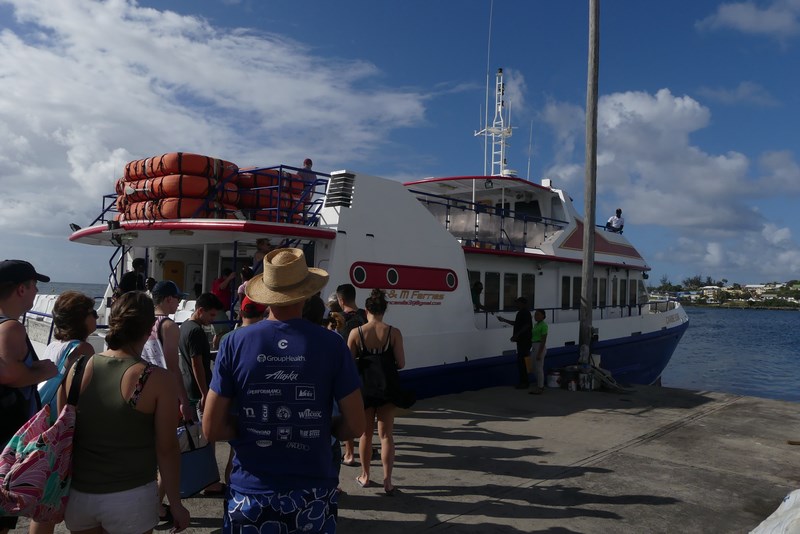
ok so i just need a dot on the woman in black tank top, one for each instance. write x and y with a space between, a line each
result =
376 347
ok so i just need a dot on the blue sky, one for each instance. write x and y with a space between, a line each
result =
698 107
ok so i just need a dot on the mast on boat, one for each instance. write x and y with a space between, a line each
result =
500 130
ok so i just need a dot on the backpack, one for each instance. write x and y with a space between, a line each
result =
36 465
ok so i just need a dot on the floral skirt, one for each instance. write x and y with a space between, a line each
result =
301 511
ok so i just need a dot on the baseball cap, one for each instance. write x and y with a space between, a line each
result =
18 271
250 306
167 288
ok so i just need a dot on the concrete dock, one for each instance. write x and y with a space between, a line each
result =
500 460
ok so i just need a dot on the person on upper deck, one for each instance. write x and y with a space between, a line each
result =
616 222
307 175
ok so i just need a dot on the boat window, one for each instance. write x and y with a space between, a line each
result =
556 209
530 209
642 293
565 296
576 292
614 295
503 209
529 289
634 288
623 292
594 292
603 300
474 276
491 291
509 290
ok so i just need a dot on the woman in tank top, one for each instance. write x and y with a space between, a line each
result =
377 337
74 319
125 428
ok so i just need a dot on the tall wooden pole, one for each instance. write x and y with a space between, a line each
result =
590 180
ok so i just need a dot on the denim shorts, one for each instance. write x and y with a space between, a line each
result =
295 511
131 511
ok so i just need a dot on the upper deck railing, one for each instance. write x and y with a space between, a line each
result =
483 226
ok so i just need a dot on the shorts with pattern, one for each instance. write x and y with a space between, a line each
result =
289 512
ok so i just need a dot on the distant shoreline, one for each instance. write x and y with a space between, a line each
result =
739 307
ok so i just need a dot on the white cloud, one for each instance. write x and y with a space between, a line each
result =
745 92
778 19
515 89
89 85
648 165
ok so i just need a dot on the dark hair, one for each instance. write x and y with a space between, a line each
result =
208 301
138 262
69 316
346 292
150 281
314 309
376 302
132 317
246 273
540 310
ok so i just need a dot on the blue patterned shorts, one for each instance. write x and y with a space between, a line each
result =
296 511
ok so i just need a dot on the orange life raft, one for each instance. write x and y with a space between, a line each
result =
177 208
177 185
287 182
179 163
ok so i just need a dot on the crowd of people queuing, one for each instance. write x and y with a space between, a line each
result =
284 392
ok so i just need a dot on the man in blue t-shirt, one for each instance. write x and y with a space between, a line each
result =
282 376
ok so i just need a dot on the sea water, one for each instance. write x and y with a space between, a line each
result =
742 351
56 288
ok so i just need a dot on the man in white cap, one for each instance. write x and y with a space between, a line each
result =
20 368
283 376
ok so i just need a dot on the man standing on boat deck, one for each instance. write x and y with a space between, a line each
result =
523 326
283 376
616 222
20 368
134 280
477 289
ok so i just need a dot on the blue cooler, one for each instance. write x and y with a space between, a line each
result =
198 462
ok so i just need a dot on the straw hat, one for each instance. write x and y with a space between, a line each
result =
286 279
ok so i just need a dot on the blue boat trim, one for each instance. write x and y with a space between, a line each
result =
636 359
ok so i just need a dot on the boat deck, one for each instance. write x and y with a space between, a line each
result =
500 460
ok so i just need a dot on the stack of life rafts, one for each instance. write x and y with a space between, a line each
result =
182 185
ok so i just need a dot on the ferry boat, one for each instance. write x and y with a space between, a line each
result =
425 242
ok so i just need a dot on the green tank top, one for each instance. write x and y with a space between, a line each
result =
114 446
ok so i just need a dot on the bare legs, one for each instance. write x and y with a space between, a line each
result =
349 452
365 446
385 416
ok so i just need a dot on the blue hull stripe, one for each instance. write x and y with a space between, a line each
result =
632 360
